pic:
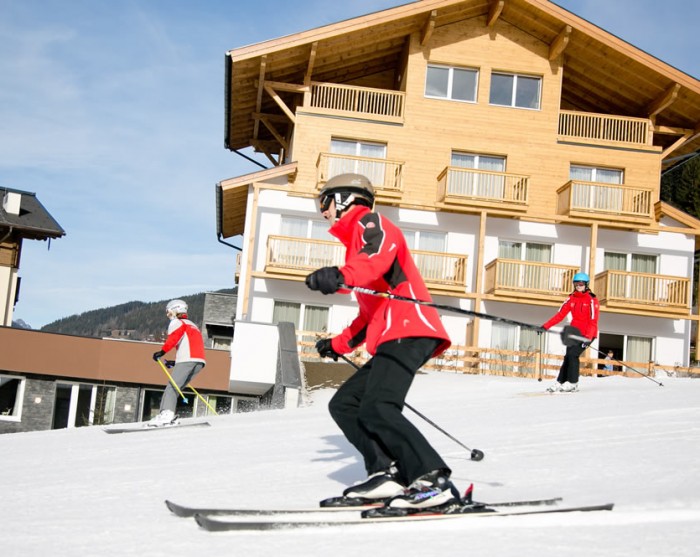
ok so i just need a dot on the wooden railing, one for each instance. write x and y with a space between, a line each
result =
509 276
300 256
472 186
385 175
576 198
605 128
533 364
353 100
658 292
442 270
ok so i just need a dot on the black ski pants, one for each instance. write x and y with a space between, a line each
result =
368 409
569 370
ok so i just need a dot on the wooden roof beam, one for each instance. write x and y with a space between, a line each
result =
278 136
310 65
273 93
666 99
258 100
269 117
560 43
495 10
428 28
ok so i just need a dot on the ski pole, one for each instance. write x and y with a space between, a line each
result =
564 334
476 454
202 399
391 296
573 335
170 377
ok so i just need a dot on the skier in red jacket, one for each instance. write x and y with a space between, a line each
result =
189 358
584 308
399 335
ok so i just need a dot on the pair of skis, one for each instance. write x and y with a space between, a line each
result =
274 519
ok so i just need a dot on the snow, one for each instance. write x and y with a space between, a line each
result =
623 440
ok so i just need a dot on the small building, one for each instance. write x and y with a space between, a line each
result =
22 217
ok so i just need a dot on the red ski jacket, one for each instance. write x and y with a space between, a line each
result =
186 336
584 308
378 258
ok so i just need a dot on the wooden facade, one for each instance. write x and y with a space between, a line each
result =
595 103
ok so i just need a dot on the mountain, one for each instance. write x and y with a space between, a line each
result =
133 320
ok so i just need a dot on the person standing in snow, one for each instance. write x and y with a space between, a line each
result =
584 308
400 336
189 358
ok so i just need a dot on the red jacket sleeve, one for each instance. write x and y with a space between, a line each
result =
174 338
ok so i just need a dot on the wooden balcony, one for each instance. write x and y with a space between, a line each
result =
643 291
355 102
386 175
297 257
521 279
469 187
442 271
596 200
604 129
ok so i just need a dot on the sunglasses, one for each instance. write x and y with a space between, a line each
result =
325 203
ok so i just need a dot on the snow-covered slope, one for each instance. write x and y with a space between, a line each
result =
628 441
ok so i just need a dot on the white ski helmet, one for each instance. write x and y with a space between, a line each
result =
346 189
176 307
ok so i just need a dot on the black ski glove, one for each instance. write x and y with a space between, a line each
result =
325 349
158 355
326 279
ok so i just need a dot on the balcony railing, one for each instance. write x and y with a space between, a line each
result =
661 293
512 277
299 256
351 100
599 200
385 175
605 129
442 271
469 186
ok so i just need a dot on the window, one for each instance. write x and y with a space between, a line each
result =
373 170
596 196
519 276
515 90
11 396
313 318
457 84
512 338
430 265
302 253
489 184
83 404
637 286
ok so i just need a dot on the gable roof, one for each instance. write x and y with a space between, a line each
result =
602 73
33 222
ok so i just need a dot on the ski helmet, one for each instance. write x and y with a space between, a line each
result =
176 307
581 277
346 189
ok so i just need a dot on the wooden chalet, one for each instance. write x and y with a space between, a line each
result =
514 142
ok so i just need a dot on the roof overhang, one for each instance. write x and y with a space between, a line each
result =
600 71
232 198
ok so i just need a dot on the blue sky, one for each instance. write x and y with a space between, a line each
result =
111 111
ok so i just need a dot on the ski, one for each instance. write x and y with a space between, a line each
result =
184 511
143 428
216 525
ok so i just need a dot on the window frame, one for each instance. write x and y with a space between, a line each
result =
514 90
450 83
18 406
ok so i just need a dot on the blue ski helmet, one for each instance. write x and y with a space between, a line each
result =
581 277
